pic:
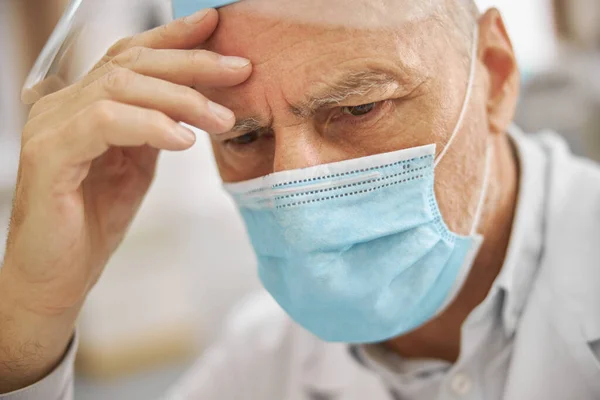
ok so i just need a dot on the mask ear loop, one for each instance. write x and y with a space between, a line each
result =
467 96
484 189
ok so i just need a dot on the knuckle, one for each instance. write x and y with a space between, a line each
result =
118 79
47 102
159 124
103 61
118 47
164 32
130 57
37 108
31 152
28 132
196 101
161 121
102 113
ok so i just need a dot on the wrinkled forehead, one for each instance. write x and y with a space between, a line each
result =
359 14
259 28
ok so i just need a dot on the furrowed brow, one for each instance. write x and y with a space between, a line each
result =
246 125
350 85
353 84
242 127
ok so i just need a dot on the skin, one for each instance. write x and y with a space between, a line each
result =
89 150
88 157
423 109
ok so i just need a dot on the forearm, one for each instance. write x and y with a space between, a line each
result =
31 344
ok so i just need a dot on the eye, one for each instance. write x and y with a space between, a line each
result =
359 111
246 139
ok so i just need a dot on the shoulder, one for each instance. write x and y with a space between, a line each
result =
255 356
570 264
558 336
572 201
262 328
287 353
571 188
569 175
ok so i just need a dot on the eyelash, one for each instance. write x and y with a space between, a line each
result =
238 142
377 109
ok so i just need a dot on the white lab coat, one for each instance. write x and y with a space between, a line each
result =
553 313
550 312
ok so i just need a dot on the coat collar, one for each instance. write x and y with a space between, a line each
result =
525 248
331 367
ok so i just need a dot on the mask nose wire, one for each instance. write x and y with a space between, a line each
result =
465 105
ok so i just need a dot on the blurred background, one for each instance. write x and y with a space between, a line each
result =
187 261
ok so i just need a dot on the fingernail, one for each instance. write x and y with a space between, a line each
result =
186 135
224 114
196 17
234 62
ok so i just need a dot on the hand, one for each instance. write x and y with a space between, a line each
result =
88 157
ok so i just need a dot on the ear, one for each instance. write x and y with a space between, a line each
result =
503 79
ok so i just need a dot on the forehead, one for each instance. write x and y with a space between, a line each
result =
261 29
295 45
355 13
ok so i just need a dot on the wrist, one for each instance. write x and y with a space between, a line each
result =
41 297
31 343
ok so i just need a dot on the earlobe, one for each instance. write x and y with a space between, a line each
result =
498 58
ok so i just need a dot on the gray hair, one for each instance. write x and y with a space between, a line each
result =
458 18
464 13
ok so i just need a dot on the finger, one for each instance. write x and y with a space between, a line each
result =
197 68
180 103
193 68
51 84
106 124
183 33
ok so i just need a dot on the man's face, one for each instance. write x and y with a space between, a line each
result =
338 80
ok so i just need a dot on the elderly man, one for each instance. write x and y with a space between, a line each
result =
329 121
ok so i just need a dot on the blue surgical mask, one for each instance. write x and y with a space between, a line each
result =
357 251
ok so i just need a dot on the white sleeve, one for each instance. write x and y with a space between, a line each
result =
250 360
58 385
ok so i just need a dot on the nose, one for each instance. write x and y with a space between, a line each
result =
300 146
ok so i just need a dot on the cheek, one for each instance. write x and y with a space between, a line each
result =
411 123
459 176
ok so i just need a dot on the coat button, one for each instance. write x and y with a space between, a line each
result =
461 384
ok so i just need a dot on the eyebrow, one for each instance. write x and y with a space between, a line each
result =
330 94
350 85
247 125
